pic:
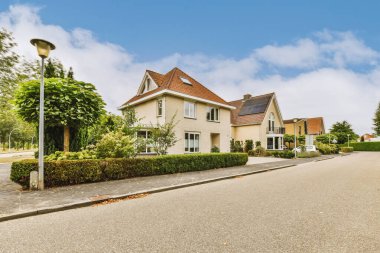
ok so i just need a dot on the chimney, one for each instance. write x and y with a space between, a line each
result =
247 96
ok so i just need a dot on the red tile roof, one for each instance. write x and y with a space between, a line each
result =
250 119
315 125
172 81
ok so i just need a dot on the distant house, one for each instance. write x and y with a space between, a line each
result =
258 118
369 137
203 118
309 127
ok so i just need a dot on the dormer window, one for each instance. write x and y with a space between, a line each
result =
147 86
185 81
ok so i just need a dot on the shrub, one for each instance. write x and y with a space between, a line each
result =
60 155
248 145
347 149
68 172
325 149
236 146
258 143
364 146
287 154
215 149
115 145
308 154
260 151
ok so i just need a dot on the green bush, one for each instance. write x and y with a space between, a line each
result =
347 149
287 154
364 146
308 154
248 145
215 149
68 172
324 149
60 155
259 151
258 143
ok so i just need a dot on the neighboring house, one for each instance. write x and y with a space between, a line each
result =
202 117
259 119
370 137
309 127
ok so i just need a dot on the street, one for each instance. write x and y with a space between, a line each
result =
327 206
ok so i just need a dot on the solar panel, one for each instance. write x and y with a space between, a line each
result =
254 106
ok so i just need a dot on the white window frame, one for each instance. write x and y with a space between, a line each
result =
147 146
216 115
187 110
160 107
192 143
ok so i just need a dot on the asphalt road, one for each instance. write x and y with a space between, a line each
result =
327 206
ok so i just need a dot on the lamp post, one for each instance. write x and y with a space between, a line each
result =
9 139
295 139
348 143
43 49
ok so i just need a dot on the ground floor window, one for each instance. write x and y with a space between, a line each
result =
145 135
275 143
191 142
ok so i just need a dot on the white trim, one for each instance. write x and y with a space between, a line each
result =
175 93
142 84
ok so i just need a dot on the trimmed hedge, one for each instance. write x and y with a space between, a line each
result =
347 149
69 172
282 154
364 146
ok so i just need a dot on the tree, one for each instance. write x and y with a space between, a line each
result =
163 137
107 123
54 68
376 120
341 130
288 138
8 76
68 104
70 74
326 138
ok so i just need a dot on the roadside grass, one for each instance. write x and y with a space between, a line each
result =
14 159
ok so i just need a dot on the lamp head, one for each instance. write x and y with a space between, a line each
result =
295 120
43 47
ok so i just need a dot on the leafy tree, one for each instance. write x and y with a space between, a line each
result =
301 139
68 104
8 76
325 138
341 130
376 120
288 138
107 123
54 68
163 137
70 74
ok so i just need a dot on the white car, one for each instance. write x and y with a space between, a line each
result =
308 148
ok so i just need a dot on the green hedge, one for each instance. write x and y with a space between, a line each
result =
282 154
364 146
347 149
69 172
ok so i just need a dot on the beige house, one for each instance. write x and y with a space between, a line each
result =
203 118
259 119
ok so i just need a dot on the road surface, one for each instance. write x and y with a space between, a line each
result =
327 206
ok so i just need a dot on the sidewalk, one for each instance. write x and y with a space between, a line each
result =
15 203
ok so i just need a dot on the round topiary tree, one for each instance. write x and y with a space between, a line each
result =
68 104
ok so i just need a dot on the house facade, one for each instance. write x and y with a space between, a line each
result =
258 118
202 118
308 127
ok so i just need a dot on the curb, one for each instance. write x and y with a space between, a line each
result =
124 196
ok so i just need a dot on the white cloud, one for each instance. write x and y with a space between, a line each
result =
326 83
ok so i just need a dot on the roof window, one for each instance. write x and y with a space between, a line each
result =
185 80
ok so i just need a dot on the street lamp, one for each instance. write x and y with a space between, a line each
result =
348 143
295 139
43 50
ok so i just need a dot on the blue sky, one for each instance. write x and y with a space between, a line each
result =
152 29
322 58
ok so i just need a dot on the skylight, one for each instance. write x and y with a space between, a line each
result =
185 80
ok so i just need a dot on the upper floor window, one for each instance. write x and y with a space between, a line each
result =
213 114
159 107
271 122
190 110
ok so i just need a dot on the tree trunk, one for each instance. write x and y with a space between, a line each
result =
66 139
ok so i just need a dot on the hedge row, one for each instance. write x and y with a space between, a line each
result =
69 172
347 149
364 146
